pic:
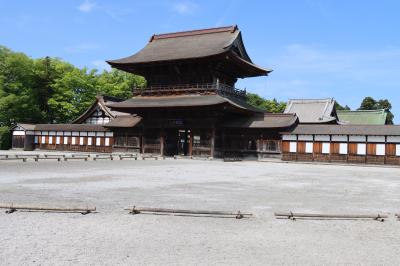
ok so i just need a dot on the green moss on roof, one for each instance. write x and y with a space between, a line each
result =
363 117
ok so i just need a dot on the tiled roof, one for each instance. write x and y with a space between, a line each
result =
267 120
313 111
124 121
192 100
377 130
363 117
192 45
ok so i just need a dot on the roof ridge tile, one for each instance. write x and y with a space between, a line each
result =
231 29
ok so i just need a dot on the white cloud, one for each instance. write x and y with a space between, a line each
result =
101 65
185 8
87 6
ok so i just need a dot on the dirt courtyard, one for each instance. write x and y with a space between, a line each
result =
113 237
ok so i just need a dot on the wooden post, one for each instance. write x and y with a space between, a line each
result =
212 141
162 143
223 143
191 143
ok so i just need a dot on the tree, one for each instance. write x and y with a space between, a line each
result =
369 103
17 89
49 90
340 107
272 106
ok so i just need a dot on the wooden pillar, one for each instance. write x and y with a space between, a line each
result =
223 143
212 141
162 143
191 143
142 141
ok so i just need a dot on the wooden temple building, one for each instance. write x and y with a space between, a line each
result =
190 107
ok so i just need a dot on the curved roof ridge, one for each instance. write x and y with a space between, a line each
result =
231 29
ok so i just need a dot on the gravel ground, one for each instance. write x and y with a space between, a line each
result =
112 237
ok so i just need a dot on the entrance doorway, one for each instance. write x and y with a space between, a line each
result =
177 142
184 142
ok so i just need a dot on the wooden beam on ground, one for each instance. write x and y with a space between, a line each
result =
293 216
13 159
103 156
48 158
127 156
76 158
26 155
151 156
137 210
13 207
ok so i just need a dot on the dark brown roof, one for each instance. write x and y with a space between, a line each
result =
193 32
268 120
124 121
69 127
191 45
191 100
389 130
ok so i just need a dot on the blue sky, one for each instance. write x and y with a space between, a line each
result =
341 49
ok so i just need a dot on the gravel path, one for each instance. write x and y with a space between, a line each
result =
112 237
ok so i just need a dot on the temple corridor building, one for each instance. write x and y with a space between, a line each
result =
190 107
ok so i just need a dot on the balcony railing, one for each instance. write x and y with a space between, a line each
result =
179 89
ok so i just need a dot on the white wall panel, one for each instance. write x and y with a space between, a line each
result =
289 137
380 149
309 147
376 139
326 148
357 138
322 138
393 139
361 149
339 138
305 137
293 146
342 148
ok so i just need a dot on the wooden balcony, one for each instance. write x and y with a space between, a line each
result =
179 89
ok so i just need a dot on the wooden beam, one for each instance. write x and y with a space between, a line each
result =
12 208
137 210
293 216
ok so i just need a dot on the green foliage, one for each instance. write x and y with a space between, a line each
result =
49 90
5 138
340 107
369 103
272 106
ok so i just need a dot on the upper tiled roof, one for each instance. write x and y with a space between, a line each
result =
194 44
313 111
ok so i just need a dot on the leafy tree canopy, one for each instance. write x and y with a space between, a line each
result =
49 90
369 103
340 107
272 106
